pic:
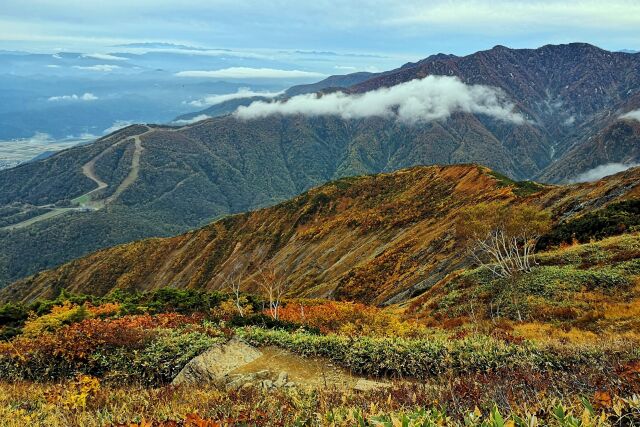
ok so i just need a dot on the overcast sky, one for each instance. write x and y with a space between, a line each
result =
408 29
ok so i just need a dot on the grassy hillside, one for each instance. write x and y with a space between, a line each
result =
444 357
191 175
582 291
376 239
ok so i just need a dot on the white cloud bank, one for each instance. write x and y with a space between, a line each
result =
251 73
633 115
244 92
84 97
105 68
603 170
420 100
191 120
104 57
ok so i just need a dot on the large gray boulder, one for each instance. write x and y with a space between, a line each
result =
216 363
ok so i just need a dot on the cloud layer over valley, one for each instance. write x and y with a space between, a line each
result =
251 73
84 97
601 171
192 120
633 115
420 100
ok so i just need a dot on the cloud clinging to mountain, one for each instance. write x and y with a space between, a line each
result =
601 171
117 125
191 120
420 100
633 115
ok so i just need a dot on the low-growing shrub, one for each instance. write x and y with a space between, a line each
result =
166 355
421 358
347 318
268 322
612 220
64 314
150 349
86 402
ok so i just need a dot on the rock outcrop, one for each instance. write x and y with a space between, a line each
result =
215 364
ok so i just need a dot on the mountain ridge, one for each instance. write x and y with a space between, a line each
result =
193 174
562 88
376 239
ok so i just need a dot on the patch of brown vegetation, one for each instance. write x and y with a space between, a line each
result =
375 239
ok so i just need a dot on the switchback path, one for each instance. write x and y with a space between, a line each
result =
86 202
135 168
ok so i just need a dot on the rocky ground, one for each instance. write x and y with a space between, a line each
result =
238 365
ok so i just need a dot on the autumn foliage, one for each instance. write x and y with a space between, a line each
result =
347 318
145 347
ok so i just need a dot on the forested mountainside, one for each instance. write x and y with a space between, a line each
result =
573 95
569 92
375 239
146 181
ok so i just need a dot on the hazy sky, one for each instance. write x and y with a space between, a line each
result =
406 28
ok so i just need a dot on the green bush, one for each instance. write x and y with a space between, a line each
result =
168 353
268 322
612 220
154 362
396 356
12 315
59 317
422 358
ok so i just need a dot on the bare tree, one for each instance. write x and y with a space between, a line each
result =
233 284
503 238
273 288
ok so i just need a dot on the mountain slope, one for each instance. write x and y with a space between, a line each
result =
570 92
191 175
376 239
616 141
572 96
332 82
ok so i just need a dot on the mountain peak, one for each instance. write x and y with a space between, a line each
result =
500 47
572 47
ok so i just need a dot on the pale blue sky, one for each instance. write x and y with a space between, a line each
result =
402 30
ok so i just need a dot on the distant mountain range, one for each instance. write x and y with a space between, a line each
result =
330 83
160 181
574 96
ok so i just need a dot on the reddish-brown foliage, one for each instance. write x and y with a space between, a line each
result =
78 340
347 318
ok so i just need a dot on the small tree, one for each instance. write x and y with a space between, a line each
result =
233 284
272 286
503 237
